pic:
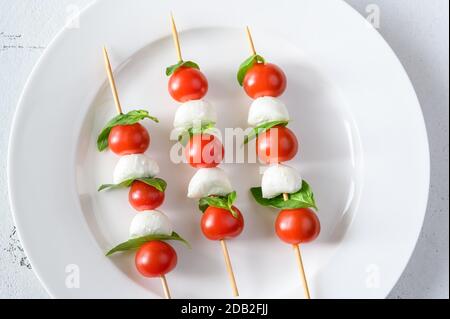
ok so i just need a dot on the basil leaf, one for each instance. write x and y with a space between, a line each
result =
231 198
157 183
122 119
214 201
263 128
203 204
185 135
124 184
304 198
188 64
224 202
246 65
135 243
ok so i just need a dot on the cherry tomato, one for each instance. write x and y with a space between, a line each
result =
276 145
296 226
187 84
144 197
128 139
219 223
204 151
155 258
264 80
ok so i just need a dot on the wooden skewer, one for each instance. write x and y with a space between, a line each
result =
113 86
112 82
165 287
229 268
250 40
226 255
302 271
176 39
300 262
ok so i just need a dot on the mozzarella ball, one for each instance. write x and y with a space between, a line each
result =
279 179
151 222
134 166
195 112
209 181
267 109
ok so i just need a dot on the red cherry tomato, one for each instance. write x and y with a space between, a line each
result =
264 80
204 151
128 139
276 145
219 223
187 84
296 226
144 197
155 258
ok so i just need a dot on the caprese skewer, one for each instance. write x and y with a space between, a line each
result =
282 186
149 229
195 120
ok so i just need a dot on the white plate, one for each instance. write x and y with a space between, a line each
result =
363 148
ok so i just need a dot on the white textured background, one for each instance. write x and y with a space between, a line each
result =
417 30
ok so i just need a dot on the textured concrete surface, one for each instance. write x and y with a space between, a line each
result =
417 30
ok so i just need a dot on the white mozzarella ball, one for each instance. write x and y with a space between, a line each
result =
209 181
279 179
150 222
195 112
134 166
267 109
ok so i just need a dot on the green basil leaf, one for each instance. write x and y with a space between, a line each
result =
224 202
185 135
260 129
135 243
124 184
231 198
157 183
214 201
188 64
304 198
203 204
129 118
246 65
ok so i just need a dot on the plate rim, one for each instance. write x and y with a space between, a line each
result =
423 130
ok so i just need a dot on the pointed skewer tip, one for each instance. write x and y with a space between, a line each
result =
105 53
250 40
175 38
